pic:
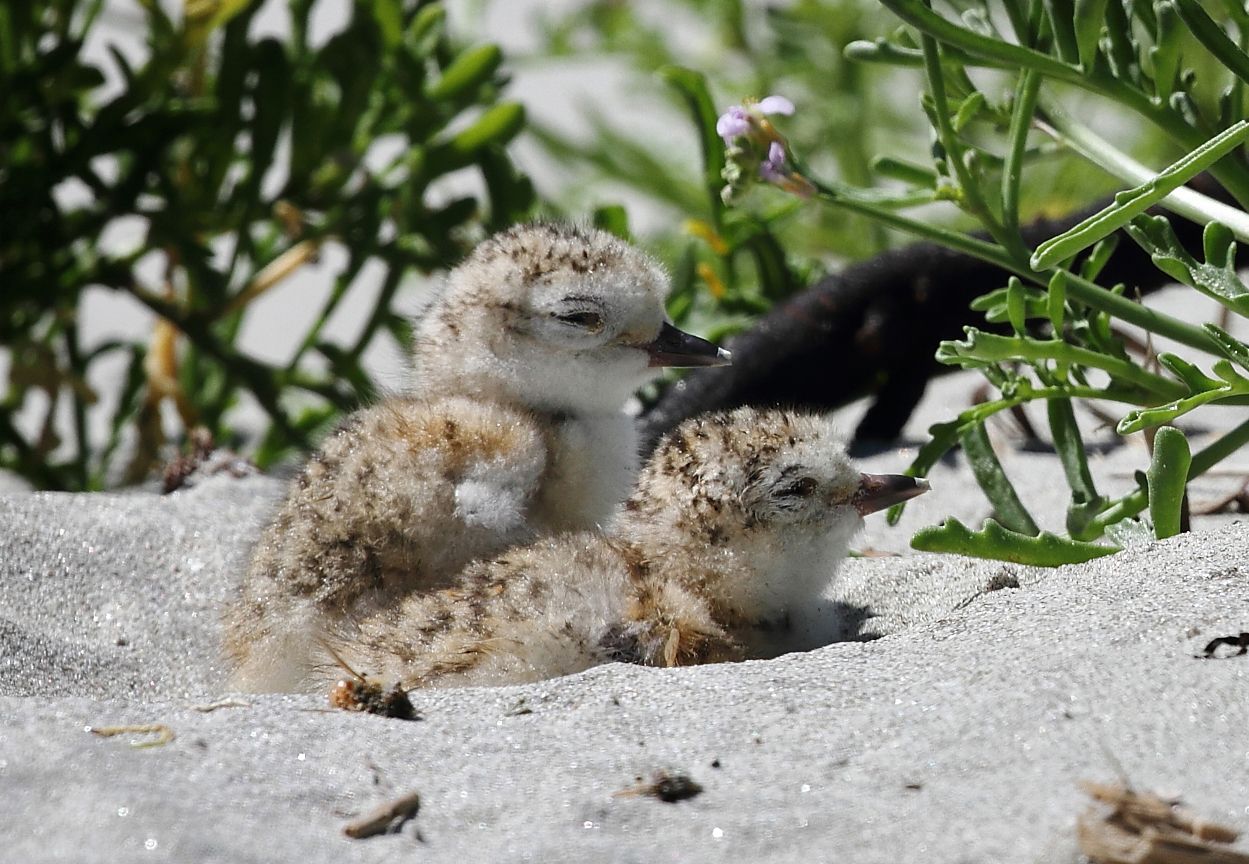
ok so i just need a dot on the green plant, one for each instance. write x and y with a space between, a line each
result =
1144 59
729 264
242 156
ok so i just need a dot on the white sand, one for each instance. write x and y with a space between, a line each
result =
960 737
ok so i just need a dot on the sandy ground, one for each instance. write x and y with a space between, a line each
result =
958 736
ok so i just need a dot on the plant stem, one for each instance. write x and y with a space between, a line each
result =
1026 93
1078 287
1190 204
1203 460
955 155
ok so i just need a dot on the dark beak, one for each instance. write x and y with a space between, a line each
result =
878 491
673 347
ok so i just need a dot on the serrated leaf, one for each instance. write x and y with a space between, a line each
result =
1232 348
1216 278
997 543
1090 17
1133 202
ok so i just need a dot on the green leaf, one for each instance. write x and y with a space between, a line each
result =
426 29
1015 303
1167 477
1212 35
971 108
468 71
1205 390
388 14
1231 347
1007 508
981 348
1062 23
1090 17
512 194
1068 444
919 15
1133 202
1168 43
1056 301
271 99
1099 257
614 219
995 542
1192 377
884 52
1216 277
693 89
1122 42
498 125
907 172
996 304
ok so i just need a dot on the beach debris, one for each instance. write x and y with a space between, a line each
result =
520 709
1211 651
668 788
368 695
162 732
204 460
1142 828
388 818
207 707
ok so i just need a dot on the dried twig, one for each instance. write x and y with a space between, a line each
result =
162 732
1142 828
386 819
220 703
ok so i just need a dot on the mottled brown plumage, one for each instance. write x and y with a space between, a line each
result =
726 548
514 429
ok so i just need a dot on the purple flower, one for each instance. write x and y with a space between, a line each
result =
776 105
755 150
739 120
773 168
732 124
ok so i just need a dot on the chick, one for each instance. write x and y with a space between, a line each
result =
514 430
731 539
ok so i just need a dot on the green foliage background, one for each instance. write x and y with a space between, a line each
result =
242 156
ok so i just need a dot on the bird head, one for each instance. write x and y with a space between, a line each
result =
768 498
556 317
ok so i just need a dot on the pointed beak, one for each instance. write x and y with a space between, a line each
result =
878 491
673 347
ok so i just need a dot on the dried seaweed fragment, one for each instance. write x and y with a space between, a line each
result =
668 788
388 818
162 732
1240 642
1141 828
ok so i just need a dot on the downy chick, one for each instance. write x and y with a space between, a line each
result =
515 430
732 537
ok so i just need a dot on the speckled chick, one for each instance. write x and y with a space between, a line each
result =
725 550
514 430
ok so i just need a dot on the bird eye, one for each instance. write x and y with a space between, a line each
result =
591 321
803 487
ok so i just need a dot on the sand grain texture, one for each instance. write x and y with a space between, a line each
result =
959 737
